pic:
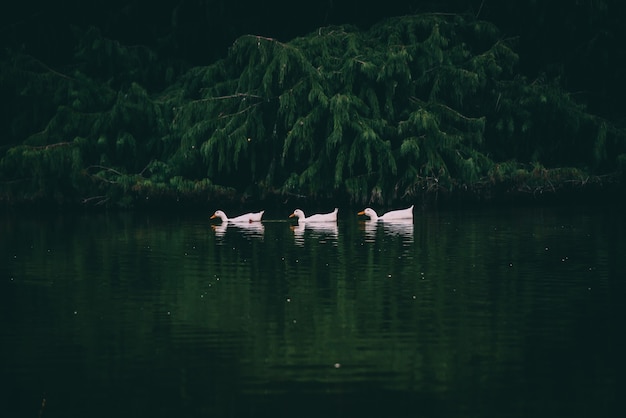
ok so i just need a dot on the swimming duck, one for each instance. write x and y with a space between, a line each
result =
248 217
320 217
393 215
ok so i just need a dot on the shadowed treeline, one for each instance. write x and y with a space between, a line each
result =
408 109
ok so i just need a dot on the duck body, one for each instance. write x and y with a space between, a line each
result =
245 218
394 215
320 217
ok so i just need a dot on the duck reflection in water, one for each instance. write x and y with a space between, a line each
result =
398 227
320 231
251 229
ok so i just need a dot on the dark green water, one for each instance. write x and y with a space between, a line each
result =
499 313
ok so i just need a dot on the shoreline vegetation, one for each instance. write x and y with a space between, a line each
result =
524 190
423 109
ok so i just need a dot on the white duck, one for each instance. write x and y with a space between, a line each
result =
394 215
248 217
320 217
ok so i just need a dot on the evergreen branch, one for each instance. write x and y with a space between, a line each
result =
222 116
265 38
47 67
109 169
145 168
482 3
299 196
103 179
230 96
49 146
457 113
101 200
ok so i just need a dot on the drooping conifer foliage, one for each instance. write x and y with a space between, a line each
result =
415 105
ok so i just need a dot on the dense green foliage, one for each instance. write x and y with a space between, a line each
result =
415 105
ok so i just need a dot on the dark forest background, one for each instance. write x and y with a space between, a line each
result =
575 44
580 41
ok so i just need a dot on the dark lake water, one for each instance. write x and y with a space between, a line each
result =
475 313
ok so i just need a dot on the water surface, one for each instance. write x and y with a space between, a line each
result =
475 313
